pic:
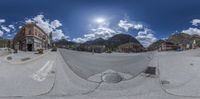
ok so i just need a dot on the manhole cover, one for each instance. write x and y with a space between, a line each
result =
111 78
53 72
9 58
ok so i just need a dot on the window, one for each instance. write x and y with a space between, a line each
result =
30 32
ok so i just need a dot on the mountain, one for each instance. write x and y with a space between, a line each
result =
113 42
178 38
120 39
64 42
183 38
196 37
155 45
98 41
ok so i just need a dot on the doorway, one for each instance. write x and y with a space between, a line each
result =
30 47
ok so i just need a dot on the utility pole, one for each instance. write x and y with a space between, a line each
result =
129 45
93 50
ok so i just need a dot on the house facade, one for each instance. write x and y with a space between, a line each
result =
130 47
167 46
96 48
30 38
91 48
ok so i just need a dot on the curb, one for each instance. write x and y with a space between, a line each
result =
168 92
35 58
4 54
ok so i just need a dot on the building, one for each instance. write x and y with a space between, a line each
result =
31 37
130 47
167 46
91 48
194 45
183 46
96 48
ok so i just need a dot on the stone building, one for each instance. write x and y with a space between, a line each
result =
31 37
166 46
130 47
96 48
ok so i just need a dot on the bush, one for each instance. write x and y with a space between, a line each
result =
40 51
198 43
109 51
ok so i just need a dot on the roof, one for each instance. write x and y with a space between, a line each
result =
36 26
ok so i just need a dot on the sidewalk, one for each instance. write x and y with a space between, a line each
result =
3 51
181 70
23 57
31 79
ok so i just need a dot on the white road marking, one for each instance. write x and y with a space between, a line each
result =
43 72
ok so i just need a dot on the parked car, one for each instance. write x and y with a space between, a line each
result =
54 49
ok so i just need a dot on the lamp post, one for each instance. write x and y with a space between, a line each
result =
93 50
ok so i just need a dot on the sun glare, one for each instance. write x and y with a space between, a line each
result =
100 20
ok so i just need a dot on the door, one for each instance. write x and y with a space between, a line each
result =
29 47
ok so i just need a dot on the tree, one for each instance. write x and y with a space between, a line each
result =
198 43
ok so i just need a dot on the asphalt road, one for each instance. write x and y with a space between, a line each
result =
86 64
35 79
71 71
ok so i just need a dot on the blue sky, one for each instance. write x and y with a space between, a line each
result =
159 18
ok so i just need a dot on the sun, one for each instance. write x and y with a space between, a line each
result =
100 20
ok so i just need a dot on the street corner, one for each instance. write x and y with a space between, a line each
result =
44 72
23 57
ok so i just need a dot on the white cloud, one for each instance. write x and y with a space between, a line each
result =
1 33
192 31
6 29
42 23
55 24
2 21
48 26
102 30
126 25
195 22
58 34
20 27
11 26
146 37
79 40
29 21
138 26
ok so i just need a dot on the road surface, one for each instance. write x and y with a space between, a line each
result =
87 64
63 74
